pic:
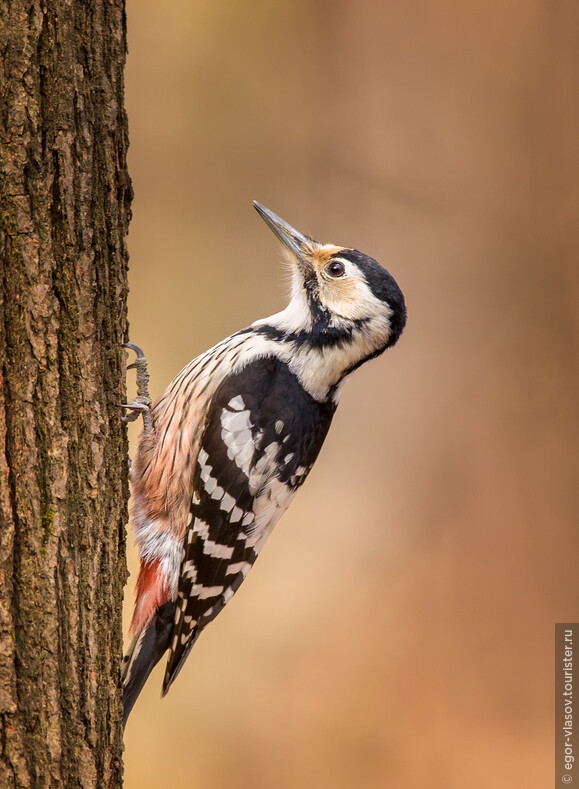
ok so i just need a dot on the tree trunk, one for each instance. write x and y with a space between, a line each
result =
64 211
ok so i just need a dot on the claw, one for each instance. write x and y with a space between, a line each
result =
140 354
136 408
141 404
139 351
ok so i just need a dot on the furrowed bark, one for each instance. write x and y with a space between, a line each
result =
64 212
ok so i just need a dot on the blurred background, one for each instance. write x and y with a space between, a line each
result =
398 628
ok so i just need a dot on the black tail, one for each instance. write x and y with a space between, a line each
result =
146 650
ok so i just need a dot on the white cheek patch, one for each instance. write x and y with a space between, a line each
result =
350 297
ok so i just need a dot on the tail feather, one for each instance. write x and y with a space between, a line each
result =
145 651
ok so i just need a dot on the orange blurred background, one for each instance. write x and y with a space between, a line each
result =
398 629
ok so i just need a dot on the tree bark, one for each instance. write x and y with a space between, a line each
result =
64 212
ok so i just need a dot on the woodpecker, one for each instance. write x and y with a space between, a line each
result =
234 436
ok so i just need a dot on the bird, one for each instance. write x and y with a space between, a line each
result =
234 436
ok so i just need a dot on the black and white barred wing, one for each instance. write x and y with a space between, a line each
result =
262 435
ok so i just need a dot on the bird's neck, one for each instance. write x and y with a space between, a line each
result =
322 353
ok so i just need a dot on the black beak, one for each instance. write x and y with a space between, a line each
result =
288 235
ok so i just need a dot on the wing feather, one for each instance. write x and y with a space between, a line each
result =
261 436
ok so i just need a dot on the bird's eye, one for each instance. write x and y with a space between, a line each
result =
335 268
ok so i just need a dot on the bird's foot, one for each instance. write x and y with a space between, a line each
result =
141 404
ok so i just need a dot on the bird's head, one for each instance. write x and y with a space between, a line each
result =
338 293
